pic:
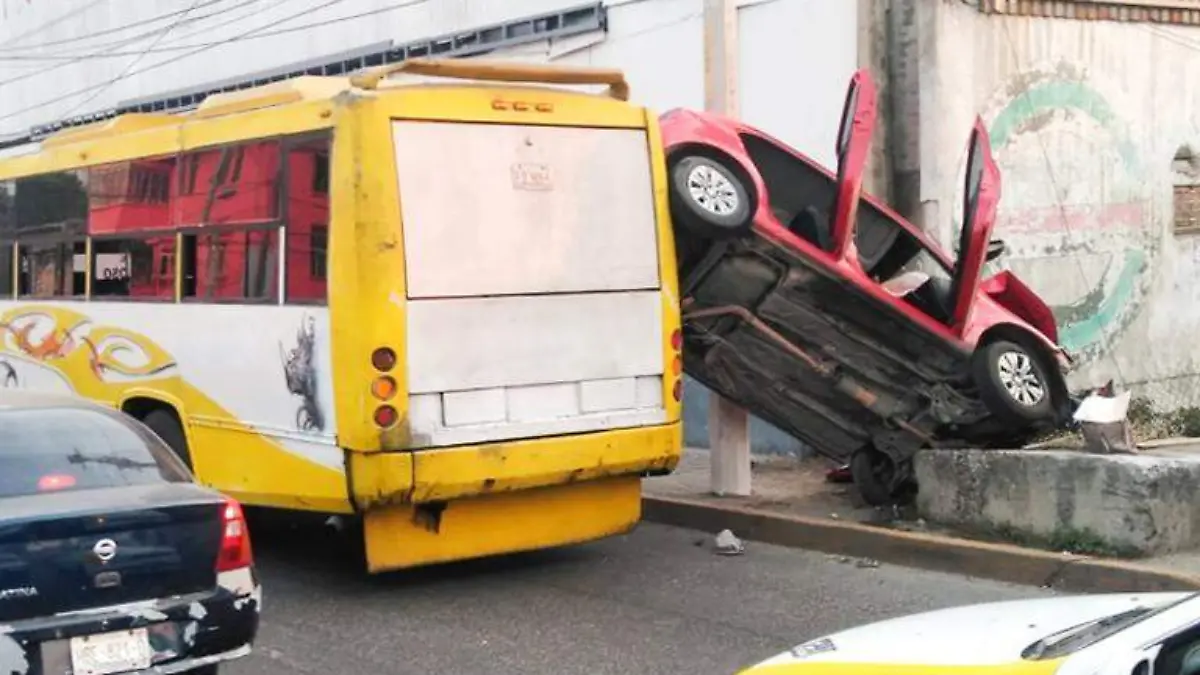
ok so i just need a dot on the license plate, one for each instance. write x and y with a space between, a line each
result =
109 653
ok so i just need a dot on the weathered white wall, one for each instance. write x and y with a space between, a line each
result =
1084 118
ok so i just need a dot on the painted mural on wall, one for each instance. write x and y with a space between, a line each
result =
300 372
1076 208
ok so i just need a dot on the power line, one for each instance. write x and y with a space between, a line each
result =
125 72
176 48
107 49
236 38
106 31
130 40
49 24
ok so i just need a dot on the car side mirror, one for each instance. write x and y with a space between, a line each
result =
995 249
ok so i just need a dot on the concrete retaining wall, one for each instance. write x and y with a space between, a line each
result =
1144 503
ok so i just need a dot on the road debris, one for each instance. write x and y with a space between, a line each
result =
1102 418
861 563
728 544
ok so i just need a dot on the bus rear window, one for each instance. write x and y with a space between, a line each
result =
60 449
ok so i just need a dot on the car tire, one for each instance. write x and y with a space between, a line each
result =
874 474
1013 382
167 427
709 199
203 670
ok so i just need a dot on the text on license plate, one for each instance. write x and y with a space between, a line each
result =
109 653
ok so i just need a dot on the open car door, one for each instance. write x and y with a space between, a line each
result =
853 147
980 199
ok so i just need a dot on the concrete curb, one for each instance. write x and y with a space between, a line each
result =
1002 562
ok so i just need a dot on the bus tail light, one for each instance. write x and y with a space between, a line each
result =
677 364
383 387
385 416
383 359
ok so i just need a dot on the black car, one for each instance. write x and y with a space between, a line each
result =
112 560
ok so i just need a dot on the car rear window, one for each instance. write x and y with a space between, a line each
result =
62 449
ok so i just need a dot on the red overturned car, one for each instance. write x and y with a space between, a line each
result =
823 312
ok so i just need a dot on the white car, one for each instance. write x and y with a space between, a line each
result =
1111 634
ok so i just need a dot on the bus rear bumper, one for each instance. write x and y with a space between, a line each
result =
469 502
412 535
453 473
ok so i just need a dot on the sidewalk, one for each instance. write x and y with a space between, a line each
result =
793 505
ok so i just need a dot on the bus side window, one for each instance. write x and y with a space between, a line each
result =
8 233
50 213
125 266
6 269
231 264
230 217
50 269
129 219
308 221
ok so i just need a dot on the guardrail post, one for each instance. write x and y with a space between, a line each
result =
728 424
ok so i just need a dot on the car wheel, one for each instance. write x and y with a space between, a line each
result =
169 430
875 476
1013 383
709 199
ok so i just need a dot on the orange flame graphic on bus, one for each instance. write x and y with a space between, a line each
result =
50 334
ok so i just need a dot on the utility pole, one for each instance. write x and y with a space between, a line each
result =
728 424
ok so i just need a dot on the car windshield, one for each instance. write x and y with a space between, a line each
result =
60 449
1088 633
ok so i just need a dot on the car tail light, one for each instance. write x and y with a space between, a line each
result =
55 481
385 416
677 366
677 390
677 340
235 539
384 387
383 359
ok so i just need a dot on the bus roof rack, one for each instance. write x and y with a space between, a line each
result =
497 71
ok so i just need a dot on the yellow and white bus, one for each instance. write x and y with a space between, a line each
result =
449 307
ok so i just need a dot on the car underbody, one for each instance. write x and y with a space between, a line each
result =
799 347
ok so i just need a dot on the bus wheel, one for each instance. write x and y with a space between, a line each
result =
168 428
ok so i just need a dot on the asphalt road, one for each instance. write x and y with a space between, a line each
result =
648 603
